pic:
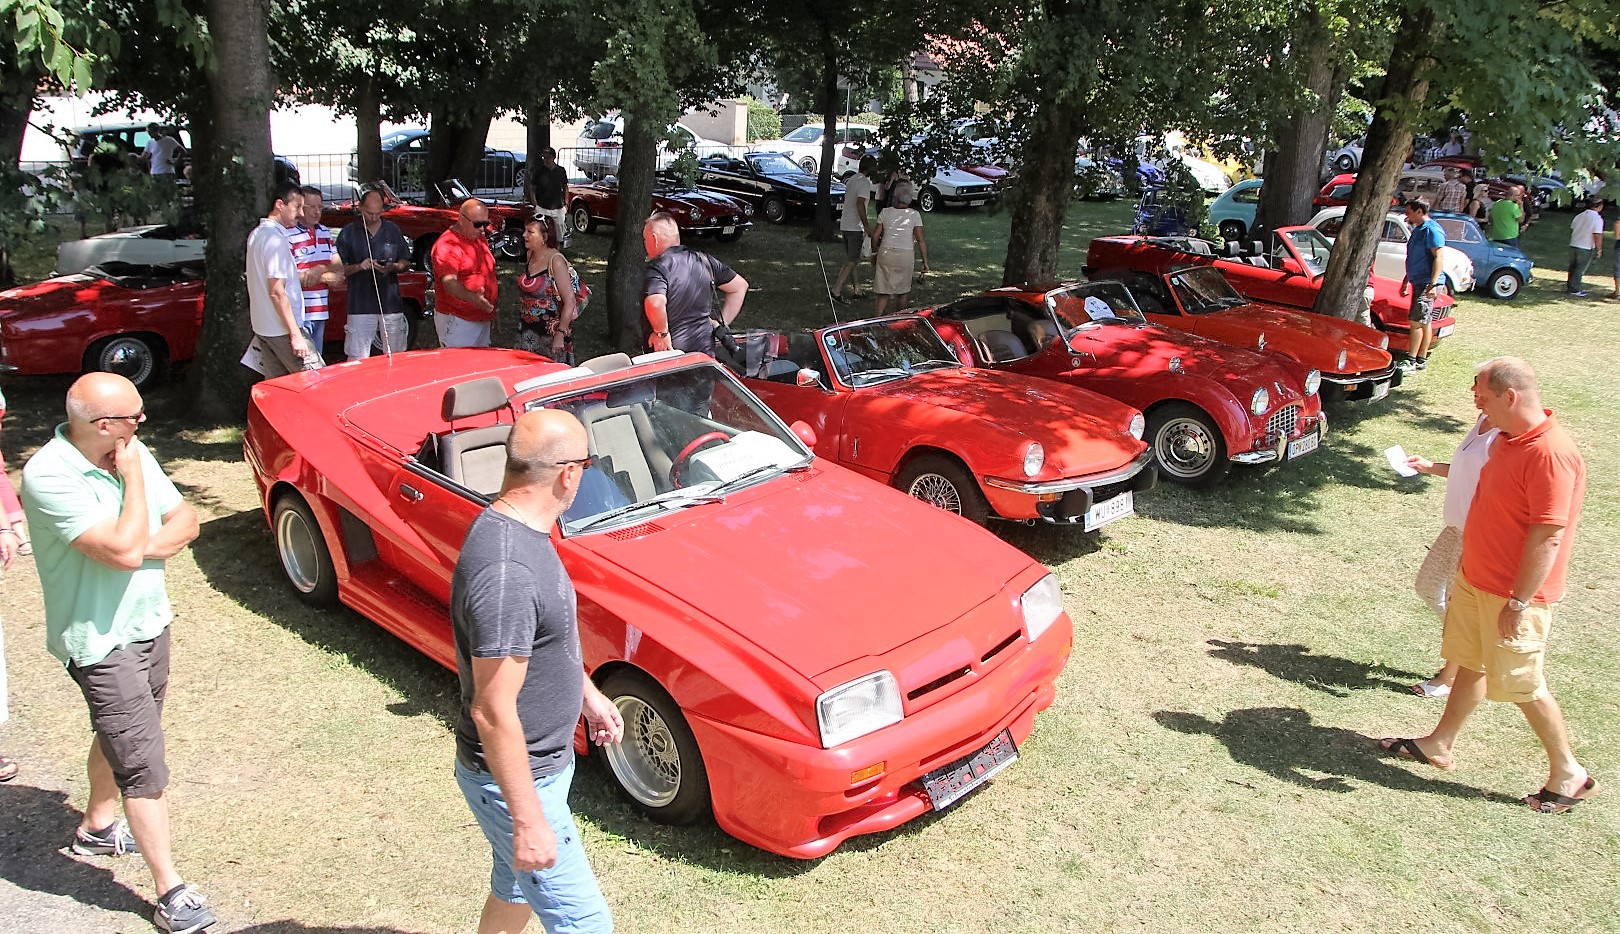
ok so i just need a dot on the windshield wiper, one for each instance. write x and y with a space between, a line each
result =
930 364
890 372
750 474
674 499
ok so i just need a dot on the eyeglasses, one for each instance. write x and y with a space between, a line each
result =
135 419
480 224
583 462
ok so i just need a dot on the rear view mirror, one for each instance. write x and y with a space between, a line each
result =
804 433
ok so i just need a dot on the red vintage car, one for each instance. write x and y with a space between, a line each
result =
1289 273
1350 355
698 212
423 223
1208 405
1336 193
128 319
888 399
758 614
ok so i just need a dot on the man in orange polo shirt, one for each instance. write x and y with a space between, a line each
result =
1515 564
464 270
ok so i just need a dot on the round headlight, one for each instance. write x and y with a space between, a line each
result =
1383 342
1034 459
748 210
1138 426
1313 382
1259 401
1344 358
695 214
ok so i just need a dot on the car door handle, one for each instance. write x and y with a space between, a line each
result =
410 492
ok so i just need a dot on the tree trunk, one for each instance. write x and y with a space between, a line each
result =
1041 198
1406 84
16 103
1292 170
638 160
368 131
537 123
455 150
825 226
236 170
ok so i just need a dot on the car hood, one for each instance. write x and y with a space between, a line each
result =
803 181
1241 371
1314 340
710 201
805 566
59 294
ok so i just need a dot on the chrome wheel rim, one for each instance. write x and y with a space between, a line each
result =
647 763
809 165
582 219
925 201
775 211
1505 286
936 490
300 558
129 357
1185 448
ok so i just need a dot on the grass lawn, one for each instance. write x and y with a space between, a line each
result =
1208 766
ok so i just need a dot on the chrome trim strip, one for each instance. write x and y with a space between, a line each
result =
1069 484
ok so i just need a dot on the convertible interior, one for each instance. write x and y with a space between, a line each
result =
1003 330
144 276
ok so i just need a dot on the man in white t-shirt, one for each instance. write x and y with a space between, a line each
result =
1585 244
162 152
275 301
856 226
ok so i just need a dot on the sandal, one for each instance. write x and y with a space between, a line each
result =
1547 801
1408 749
8 769
1430 689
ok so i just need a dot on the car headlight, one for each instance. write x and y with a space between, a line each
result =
1042 605
1034 459
1259 401
1344 356
1313 382
1138 426
1383 342
858 707
695 214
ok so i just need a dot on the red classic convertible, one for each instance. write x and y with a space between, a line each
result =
128 319
696 211
888 399
1290 273
757 614
422 223
1208 404
1350 355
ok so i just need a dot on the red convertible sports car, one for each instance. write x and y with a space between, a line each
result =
1290 273
1208 404
696 211
888 399
758 614
1350 355
422 223
128 319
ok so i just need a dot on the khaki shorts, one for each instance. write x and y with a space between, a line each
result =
1512 667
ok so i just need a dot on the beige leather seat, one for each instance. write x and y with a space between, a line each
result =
1001 346
475 457
626 450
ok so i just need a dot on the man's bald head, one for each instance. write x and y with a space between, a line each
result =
540 441
473 210
96 396
660 234
1504 373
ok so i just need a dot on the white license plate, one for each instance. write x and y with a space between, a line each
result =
1301 446
1444 331
1107 511
1380 390
974 204
728 231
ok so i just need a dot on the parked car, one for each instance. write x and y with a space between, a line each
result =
1198 299
758 614
126 141
1347 158
1208 405
1288 273
404 159
423 223
1335 192
698 213
1502 268
1390 260
772 182
887 398
145 245
949 184
129 319
803 145
1210 177
601 143
1233 212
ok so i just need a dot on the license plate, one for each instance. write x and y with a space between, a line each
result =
728 231
1444 331
1301 446
1107 511
974 204
947 784
1380 390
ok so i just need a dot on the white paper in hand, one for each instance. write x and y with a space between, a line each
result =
1397 461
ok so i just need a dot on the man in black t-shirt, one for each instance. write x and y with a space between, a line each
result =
523 686
374 252
548 189
678 293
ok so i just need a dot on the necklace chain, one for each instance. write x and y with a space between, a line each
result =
521 515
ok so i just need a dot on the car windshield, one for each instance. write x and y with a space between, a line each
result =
1093 303
809 133
1312 247
1204 290
880 351
395 138
668 441
773 163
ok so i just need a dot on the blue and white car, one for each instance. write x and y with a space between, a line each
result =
1233 212
1501 269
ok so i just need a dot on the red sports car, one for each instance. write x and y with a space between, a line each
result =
697 211
1290 273
758 614
888 399
1208 404
422 223
128 319
1336 193
1350 355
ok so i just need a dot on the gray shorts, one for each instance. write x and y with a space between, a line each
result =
1422 307
125 693
278 359
852 244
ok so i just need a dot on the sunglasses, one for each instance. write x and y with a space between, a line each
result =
480 224
584 462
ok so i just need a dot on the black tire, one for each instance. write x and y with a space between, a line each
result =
1345 163
942 481
305 559
928 199
1233 230
658 767
583 220
808 164
774 208
511 247
520 178
1187 445
138 357
1504 284
424 253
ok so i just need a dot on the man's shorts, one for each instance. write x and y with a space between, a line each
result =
277 358
1512 667
852 244
566 896
125 693
362 334
1422 307
459 332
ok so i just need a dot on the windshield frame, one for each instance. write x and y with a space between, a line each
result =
1049 300
1178 280
755 158
825 334
1298 250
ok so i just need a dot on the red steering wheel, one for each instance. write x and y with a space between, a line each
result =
677 468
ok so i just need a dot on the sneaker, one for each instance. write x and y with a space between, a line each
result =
112 841
1406 364
1421 363
183 911
1581 294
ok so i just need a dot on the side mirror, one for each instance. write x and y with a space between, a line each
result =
1292 265
804 433
807 378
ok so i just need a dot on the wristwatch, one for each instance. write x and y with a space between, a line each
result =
660 333
1517 605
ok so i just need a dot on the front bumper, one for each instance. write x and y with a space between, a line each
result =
958 198
1068 500
713 225
1273 446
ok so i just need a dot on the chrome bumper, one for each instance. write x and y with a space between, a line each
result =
1068 484
1279 450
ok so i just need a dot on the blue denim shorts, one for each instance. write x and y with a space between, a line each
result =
565 897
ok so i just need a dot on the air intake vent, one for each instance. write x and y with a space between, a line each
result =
635 531
999 646
938 683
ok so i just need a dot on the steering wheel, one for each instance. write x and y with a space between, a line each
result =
679 465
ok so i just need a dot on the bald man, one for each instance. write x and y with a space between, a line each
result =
104 518
678 292
523 687
464 270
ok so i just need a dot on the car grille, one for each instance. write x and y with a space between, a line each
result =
973 190
1283 422
1106 492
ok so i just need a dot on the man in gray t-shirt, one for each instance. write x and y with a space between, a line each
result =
523 686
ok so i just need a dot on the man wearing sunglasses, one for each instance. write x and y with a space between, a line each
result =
464 270
104 518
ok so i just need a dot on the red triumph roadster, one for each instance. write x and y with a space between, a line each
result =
757 613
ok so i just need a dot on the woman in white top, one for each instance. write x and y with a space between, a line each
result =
1440 566
899 233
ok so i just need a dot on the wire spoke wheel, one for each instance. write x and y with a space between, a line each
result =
936 490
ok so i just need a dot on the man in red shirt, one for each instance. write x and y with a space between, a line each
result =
464 269
1515 565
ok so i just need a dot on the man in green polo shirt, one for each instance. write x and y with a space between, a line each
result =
103 518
